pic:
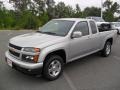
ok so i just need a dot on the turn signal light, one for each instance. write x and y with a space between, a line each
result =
37 49
36 58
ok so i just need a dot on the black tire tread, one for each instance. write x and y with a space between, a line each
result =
103 51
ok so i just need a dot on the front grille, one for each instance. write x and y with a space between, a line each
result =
14 53
15 47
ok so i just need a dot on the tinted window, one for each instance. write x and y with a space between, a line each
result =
93 27
83 27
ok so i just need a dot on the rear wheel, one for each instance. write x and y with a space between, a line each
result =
53 67
107 49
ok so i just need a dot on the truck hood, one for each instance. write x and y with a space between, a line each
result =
35 40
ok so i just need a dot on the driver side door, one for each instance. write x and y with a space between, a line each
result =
80 46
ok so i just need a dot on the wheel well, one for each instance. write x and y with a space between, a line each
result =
61 53
110 40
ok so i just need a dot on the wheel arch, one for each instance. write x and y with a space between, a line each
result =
110 40
60 52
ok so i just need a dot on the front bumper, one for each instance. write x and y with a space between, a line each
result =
25 65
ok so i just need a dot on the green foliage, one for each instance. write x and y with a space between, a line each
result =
7 19
91 11
27 21
20 5
60 10
108 16
31 14
44 18
78 12
63 11
111 9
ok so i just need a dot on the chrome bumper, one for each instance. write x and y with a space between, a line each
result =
22 64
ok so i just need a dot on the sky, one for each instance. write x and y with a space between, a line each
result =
82 3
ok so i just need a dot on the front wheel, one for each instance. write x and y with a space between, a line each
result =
53 67
106 50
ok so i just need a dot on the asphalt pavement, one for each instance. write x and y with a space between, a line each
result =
90 73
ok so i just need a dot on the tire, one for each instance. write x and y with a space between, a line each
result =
53 67
106 50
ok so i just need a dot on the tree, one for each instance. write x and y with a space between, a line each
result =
60 10
63 11
38 6
20 5
91 11
27 21
110 9
1 5
30 14
6 18
50 10
78 12
69 12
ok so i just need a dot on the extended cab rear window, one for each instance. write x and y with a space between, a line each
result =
93 27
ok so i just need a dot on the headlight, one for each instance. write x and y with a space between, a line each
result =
30 49
30 58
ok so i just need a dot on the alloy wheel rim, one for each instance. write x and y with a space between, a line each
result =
108 49
54 68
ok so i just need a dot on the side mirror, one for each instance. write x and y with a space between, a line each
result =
77 34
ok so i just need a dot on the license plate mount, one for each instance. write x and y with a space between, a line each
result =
9 62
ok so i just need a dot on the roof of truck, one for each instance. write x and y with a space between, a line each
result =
73 19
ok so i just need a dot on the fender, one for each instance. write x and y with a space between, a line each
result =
60 46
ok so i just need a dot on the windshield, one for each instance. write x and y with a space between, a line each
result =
57 27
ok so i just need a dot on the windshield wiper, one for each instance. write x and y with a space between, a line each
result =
51 33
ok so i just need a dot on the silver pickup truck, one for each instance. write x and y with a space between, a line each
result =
57 43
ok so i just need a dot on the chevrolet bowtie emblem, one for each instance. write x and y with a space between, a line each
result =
12 49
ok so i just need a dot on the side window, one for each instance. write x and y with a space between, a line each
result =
83 27
93 27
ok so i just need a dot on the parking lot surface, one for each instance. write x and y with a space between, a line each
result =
90 73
